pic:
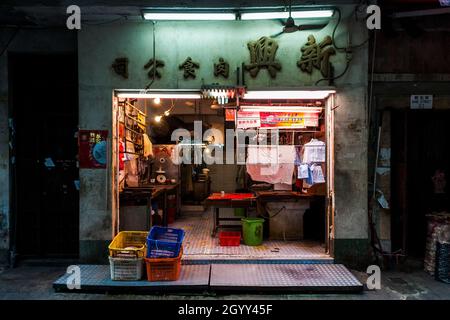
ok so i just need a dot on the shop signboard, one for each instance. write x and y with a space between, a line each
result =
92 146
247 120
230 115
285 120
289 120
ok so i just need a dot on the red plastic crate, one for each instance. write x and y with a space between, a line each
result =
229 238
164 269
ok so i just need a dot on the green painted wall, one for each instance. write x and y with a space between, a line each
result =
354 253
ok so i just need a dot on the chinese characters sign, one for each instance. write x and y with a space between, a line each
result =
153 65
189 67
120 67
317 55
221 68
92 146
262 56
314 55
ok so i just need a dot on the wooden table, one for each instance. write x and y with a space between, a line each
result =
273 196
162 191
136 196
229 200
152 192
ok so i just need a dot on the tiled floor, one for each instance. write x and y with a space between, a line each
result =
198 244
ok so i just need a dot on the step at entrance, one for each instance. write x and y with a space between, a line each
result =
283 277
300 278
96 278
221 259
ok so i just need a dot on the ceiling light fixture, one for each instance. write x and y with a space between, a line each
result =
157 101
228 14
305 14
302 109
286 95
154 16
215 105
161 94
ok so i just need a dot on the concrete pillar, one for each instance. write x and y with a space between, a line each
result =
4 156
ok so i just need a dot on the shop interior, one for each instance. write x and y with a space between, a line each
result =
152 188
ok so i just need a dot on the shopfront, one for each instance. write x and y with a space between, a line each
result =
341 231
278 144
285 91
324 221
256 135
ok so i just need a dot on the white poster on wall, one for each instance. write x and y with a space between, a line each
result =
247 120
422 101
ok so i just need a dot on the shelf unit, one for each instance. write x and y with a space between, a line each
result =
134 124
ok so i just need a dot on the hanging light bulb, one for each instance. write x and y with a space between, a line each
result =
158 118
215 105
157 101
167 113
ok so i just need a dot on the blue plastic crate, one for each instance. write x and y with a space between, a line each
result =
164 242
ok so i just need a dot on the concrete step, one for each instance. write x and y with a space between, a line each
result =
299 278
236 259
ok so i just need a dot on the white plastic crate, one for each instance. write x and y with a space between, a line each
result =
126 269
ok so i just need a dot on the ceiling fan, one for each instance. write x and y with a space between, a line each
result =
290 26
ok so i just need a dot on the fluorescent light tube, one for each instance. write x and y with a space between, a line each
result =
281 109
284 15
161 95
189 16
286 95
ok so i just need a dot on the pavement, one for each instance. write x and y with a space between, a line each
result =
35 283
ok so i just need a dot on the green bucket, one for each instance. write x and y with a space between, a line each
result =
253 231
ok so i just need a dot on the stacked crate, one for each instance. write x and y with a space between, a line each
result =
126 255
164 252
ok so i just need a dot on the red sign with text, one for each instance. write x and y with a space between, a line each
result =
93 147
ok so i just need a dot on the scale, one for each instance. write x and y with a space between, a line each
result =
161 178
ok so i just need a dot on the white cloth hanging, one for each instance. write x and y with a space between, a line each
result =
314 151
271 164
317 174
303 171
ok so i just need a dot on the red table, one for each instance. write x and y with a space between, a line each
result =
228 200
